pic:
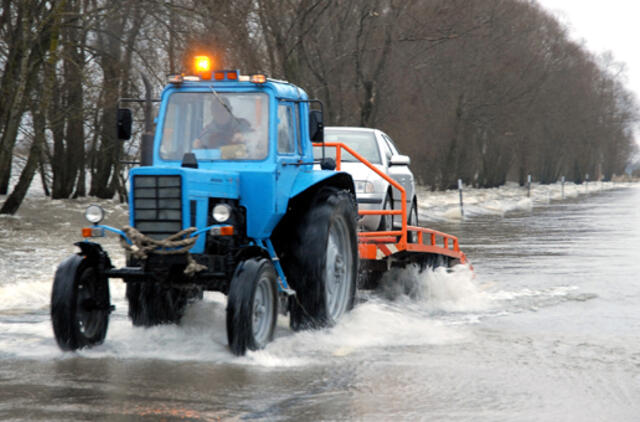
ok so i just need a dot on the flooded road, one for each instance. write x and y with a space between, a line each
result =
547 330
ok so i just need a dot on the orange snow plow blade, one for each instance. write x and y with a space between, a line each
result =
380 245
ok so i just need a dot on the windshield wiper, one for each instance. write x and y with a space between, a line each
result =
226 107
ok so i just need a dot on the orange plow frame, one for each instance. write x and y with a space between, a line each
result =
377 245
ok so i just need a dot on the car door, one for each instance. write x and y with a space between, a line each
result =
400 173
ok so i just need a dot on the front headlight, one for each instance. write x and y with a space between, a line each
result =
94 214
362 186
221 213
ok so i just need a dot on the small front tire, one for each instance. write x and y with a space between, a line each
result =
252 306
80 304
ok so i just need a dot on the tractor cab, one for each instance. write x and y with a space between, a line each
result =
238 144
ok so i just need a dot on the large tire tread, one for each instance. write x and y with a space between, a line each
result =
308 307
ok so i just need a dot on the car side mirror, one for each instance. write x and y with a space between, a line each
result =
124 121
316 126
399 160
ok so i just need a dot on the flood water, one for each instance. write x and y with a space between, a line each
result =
546 328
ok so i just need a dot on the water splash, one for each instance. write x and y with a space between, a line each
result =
440 289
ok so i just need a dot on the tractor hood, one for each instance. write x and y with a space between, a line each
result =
196 182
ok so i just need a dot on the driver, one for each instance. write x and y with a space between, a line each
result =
224 128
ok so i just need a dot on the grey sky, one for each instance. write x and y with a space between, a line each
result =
610 25
602 26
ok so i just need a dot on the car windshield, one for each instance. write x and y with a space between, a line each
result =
216 126
362 142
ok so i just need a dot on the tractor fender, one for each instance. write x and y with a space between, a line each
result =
65 274
97 257
314 179
252 251
67 270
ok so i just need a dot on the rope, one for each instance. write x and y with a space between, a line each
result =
175 244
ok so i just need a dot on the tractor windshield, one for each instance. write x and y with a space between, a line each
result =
216 126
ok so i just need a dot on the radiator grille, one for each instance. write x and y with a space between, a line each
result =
157 204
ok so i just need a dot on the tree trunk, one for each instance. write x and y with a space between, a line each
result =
105 181
14 113
74 136
14 200
43 175
20 74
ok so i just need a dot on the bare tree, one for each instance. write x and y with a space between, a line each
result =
25 27
486 91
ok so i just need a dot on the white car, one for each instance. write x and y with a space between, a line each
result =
372 191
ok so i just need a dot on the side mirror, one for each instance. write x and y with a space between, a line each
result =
399 160
316 126
124 121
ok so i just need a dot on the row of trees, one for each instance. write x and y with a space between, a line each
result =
478 90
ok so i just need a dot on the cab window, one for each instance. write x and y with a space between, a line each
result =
286 129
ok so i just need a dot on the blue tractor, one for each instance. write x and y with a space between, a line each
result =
227 199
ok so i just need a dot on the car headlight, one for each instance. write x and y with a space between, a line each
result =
94 214
221 213
362 186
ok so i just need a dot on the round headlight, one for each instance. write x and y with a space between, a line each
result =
221 213
94 214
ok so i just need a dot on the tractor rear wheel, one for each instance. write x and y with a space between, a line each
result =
252 306
325 263
80 304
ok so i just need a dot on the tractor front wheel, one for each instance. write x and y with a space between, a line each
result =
80 304
252 306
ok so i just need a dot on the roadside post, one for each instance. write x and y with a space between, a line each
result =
461 204
562 184
586 182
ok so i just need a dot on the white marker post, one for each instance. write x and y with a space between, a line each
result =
562 186
529 186
461 204
586 183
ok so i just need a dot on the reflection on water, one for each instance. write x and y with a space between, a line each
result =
545 330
